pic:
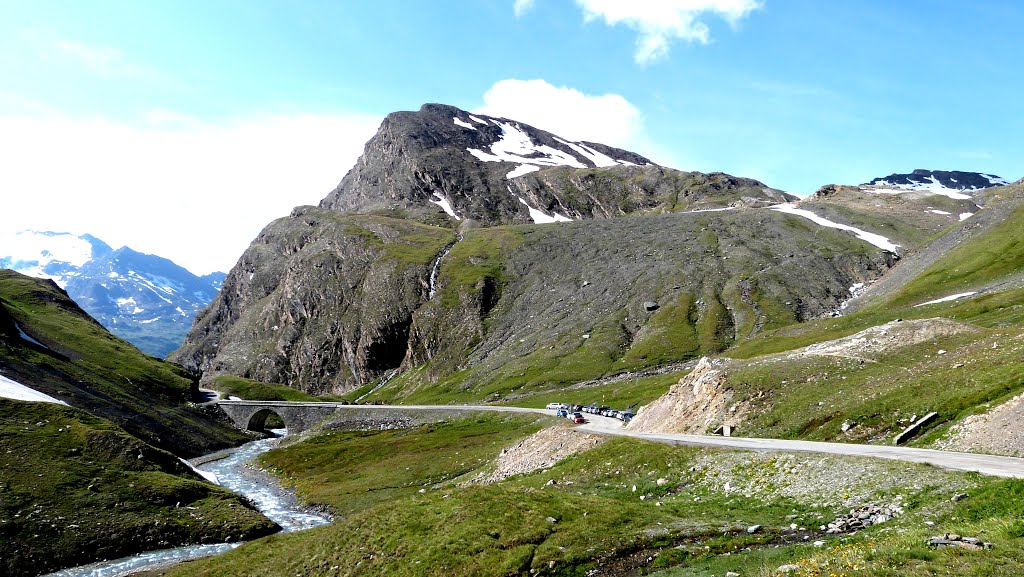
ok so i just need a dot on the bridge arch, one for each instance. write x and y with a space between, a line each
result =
258 420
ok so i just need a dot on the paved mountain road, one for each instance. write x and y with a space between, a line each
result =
995 465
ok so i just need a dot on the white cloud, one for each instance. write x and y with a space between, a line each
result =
608 118
659 22
192 191
522 7
104 61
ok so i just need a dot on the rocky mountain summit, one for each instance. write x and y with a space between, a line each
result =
425 273
145 299
444 164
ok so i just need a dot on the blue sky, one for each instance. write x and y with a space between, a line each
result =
182 128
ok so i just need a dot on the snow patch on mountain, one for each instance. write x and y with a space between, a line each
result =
11 389
539 217
948 298
445 205
869 237
932 186
515 145
521 170
463 123
25 336
954 184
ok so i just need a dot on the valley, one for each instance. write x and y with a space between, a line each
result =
862 345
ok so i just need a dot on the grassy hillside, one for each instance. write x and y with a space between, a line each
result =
624 507
993 256
68 355
529 309
75 488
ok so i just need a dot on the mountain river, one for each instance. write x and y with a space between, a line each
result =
274 501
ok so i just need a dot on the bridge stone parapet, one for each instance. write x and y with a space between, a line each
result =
297 417
301 416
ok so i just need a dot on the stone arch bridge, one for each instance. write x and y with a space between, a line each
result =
301 416
297 416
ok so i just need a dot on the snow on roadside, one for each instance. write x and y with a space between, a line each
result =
965 215
869 237
948 298
10 389
942 212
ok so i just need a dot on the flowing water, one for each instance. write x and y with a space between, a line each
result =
277 503
437 266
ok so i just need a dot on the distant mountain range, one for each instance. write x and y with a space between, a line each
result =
145 299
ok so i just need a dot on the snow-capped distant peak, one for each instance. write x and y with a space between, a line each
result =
953 184
51 255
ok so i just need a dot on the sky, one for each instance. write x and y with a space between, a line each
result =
182 127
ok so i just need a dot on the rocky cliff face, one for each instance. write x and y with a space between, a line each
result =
427 263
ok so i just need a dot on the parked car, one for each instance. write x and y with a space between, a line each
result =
578 418
626 416
555 406
561 413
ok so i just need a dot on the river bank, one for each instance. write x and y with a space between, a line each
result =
233 472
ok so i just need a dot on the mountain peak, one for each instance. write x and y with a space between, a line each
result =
442 164
145 299
953 183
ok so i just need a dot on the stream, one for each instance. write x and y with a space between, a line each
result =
437 266
274 501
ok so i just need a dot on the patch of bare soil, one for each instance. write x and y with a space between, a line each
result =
875 341
998 431
538 451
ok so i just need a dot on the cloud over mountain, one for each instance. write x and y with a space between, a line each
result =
659 22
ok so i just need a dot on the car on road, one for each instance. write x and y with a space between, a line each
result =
556 406
578 418
561 413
